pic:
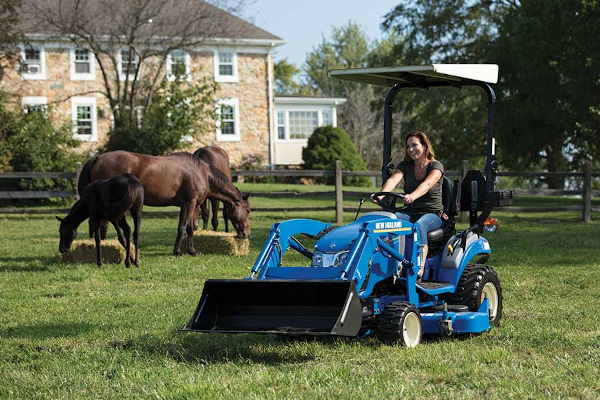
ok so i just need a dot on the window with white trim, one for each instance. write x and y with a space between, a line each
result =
226 66
326 118
33 62
303 123
82 65
178 59
228 121
299 123
128 63
34 104
281 125
84 118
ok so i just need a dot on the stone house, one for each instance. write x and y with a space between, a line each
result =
56 73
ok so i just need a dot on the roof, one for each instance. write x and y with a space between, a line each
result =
428 75
166 18
297 100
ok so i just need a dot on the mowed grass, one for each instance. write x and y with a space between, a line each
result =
79 331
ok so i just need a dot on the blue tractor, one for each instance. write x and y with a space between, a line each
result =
362 277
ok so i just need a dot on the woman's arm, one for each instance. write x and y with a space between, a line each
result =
434 176
391 183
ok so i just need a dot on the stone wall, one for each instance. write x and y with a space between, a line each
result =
251 90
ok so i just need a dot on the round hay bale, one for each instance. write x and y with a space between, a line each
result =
84 252
210 242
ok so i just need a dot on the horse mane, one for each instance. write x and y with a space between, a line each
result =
77 214
189 157
220 181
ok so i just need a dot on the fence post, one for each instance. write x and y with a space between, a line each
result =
77 174
587 193
339 198
465 168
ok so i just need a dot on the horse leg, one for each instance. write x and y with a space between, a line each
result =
183 222
204 207
127 231
95 226
226 217
103 229
214 203
137 221
190 233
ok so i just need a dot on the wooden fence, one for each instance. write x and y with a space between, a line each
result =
585 192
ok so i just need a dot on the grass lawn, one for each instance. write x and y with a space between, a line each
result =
79 331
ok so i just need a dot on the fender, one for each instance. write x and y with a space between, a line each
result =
474 248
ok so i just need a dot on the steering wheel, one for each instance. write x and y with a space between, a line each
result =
388 202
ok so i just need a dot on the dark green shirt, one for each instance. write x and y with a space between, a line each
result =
431 201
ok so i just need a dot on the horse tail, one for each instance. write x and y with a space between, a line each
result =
85 178
133 196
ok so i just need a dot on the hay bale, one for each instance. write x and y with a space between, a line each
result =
210 242
84 252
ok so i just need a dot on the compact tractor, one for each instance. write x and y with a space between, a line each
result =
362 277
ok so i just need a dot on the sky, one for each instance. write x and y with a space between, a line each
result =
302 23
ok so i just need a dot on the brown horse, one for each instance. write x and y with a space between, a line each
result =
180 179
107 200
217 157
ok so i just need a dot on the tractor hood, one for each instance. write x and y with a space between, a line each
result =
341 239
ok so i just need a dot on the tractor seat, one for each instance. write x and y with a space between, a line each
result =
438 237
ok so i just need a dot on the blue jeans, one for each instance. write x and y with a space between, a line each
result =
427 223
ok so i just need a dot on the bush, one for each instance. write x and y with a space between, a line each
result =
30 142
328 144
177 111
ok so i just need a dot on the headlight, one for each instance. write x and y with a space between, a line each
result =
317 259
320 259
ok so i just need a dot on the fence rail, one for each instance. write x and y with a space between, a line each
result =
586 191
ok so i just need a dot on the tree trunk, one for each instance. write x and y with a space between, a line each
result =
556 163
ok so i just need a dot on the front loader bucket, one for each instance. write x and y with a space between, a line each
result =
323 307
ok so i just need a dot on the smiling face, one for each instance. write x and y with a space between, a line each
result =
415 149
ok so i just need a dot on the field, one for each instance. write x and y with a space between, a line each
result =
79 331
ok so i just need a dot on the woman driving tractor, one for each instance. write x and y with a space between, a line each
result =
422 175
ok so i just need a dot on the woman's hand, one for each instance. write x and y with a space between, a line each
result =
408 198
373 198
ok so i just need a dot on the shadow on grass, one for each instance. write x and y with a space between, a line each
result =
26 264
47 331
193 348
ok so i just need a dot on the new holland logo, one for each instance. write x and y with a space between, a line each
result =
390 227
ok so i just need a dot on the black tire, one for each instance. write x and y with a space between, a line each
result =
474 282
400 323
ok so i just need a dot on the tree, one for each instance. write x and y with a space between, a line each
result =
285 83
547 109
142 32
348 48
177 110
328 144
549 54
10 35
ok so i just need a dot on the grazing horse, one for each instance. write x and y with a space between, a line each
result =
217 157
107 200
180 179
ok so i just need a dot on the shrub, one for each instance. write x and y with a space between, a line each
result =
31 143
328 144
177 111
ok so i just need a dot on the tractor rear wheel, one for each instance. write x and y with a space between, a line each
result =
400 323
476 283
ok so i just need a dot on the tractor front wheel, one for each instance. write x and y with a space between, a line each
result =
400 323
476 283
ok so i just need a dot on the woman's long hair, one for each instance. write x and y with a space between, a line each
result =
429 152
